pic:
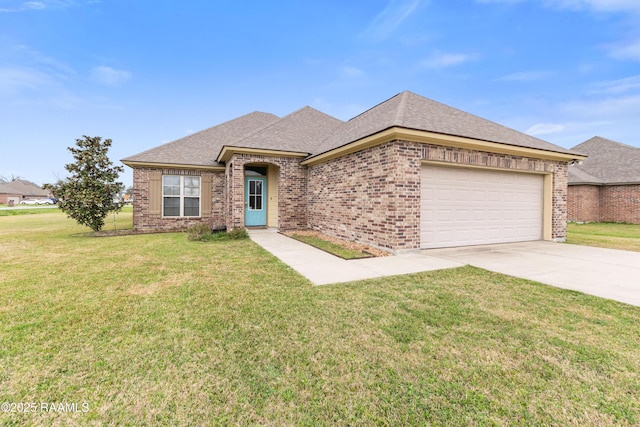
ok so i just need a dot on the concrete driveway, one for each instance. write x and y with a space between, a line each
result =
606 273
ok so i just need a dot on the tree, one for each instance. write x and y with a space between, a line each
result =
13 178
88 194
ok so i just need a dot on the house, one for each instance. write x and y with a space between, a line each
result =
606 186
409 173
19 190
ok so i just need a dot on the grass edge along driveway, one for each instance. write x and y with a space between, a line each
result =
157 330
605 235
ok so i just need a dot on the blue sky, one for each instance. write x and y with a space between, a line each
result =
145 72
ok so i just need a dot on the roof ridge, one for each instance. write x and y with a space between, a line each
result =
599 138
375 106
402 108
273 123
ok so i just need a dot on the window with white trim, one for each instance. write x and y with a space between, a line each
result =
180 195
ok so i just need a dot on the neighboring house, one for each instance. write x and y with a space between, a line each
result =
19 190
409 173
606 187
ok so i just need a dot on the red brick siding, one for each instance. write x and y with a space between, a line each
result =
143 220
373 196
559 200
4 197
583 203
606 203
620 203
292 187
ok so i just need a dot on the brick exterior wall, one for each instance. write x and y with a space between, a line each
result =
4 197
606 203
373 196
559 200
583 203
620 203
292 186
143 220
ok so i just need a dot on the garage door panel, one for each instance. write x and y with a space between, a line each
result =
466 206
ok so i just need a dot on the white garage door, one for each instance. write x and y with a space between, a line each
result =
466 206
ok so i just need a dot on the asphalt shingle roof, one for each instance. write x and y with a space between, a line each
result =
300 131
23 187
313 132
202 148
411 111
609 162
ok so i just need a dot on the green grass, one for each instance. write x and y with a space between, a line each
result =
158 330
331 247
26 211
606 235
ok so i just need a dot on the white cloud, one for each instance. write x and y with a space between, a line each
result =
444 60
526 76
619 86
572 132
35 5
31 86
15 79
593 5
629 50
109 76
25 6
33 78
500 1
597 5
386 22
626 51
545 129
612 108
45 63
350 71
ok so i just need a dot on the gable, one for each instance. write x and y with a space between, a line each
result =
298 133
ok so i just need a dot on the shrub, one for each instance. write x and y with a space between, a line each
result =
237 234
199 232
202 233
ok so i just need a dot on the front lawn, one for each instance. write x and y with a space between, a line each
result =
605 235
160 330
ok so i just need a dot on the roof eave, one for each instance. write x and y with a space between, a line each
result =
399 133
138 164
228 151
586 183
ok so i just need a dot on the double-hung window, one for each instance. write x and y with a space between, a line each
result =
180 195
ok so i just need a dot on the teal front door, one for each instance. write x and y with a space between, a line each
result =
255 197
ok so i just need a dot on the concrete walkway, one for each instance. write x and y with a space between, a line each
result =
322 268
